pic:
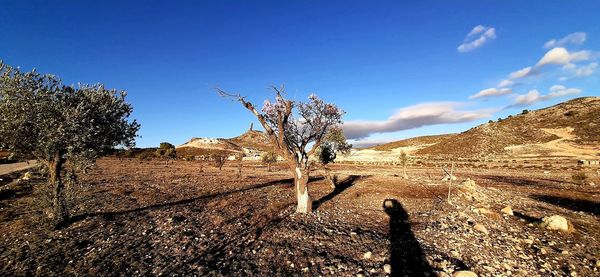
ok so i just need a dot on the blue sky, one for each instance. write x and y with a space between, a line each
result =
397 69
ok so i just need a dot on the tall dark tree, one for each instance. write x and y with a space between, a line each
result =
60 124
296 129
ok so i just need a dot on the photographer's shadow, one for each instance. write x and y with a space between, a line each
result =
407 257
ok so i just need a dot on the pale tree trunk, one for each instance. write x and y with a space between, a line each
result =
301 185
59 204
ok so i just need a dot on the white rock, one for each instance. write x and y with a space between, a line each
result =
555 222
481 228
464 273
367 255
387 268
507 210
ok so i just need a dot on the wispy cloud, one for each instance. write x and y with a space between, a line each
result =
534 96
558 56
425 114
489 92
574 38
478 36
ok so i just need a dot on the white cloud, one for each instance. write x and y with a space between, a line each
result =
505 83
586 70
559 91
534 95
491 92
478 36
527 99
412 117
574 38
521 73
561 56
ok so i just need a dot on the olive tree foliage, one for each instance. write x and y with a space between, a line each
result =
333 143
166 150
296 130
61 125
269 158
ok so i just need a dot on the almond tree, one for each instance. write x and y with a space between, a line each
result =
296 129
61 125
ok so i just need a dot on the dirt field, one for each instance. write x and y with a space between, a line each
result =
138 218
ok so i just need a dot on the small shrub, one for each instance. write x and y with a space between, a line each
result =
219 159
579 177
526 111
146 156
571 113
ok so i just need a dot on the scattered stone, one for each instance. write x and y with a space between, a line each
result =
598 263
387 268
367 255
481 228
555 222
464 273
27 176
448 178
592 184
507 210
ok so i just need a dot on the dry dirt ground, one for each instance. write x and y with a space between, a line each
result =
138 218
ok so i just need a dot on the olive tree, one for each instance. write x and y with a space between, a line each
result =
61 125
268 158
333 143
296 130
167 151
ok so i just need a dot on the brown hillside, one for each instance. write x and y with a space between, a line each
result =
206 146
580 115
252 139
424 140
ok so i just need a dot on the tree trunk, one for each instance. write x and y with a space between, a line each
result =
331 179
301 185
59 204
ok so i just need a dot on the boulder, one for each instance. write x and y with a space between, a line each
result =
367 255
556 222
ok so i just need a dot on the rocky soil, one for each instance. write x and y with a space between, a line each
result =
151 218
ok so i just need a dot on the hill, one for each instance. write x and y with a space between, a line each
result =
252 143
566 129
411 142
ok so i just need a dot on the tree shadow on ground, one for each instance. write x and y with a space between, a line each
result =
339 188
111 214
587 206
527 218
407 256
